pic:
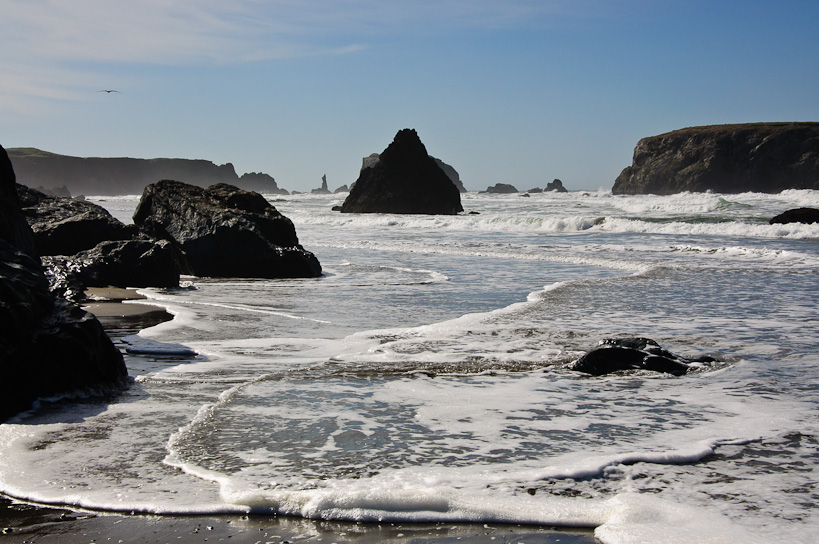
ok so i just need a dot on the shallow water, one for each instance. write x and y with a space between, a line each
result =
421 378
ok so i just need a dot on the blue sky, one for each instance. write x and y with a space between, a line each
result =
514 91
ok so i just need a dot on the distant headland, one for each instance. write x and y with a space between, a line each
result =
752 157
125 175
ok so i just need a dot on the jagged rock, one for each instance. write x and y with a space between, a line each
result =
501 188
342 189
47 345
617 354
404 179
556 185
323 190
65 226
62 191
797 215
756 157
223 231
451 174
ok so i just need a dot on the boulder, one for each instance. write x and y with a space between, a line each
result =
223 231
64 226
556 185
403 179
797 215
501 188
47 345
618 354
756 157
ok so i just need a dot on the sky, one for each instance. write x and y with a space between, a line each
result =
511 91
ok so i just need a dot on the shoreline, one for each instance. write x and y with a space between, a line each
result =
24 522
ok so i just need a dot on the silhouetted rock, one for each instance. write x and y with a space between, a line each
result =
323 190
342 189
403 179
797 215
501 188
223 231
556 185
65 226
451 174
536 190
757 157
125 175
619 354
47 345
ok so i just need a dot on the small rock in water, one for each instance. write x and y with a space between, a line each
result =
616 354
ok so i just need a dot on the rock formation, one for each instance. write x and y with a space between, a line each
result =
613 355
797 215
451 174
223 231
342 189
124 175
323 190
556 185
404 179
47 345
501 188
758 157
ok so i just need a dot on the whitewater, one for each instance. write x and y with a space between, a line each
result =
423 377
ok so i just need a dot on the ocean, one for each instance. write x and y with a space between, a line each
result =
423 377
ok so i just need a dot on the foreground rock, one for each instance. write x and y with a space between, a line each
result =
618 354
758 157
403 179
223 231
797 215
47 345
64 226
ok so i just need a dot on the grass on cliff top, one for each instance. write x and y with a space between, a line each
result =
767 127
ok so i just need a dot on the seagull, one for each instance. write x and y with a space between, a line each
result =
107 91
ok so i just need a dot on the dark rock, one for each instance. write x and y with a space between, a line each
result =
451 174
501 188
62 191
527 195
47 345
140 262
323 190
535 191
65 226
223 231
342 189
256 181
618 354
797 215
756 157
556 185
404 179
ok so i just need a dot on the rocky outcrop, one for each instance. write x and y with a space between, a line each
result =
797 215
404 179
124 175
342 189
556 186
618 354
451 174
64 226
323 190
501 189
223 231
47 345
758 157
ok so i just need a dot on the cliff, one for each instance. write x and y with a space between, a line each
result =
123 175
756 157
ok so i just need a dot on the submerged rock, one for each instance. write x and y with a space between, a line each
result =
403 179
797 215
223 231
617 354
758 157
47 345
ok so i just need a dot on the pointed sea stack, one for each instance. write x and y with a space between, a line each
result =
405 179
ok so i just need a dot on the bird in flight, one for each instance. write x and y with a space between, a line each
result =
107 91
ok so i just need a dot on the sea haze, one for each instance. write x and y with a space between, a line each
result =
423 377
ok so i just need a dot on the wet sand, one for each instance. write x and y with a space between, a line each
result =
26 523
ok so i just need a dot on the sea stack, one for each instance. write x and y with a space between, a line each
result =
404 179
756 157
